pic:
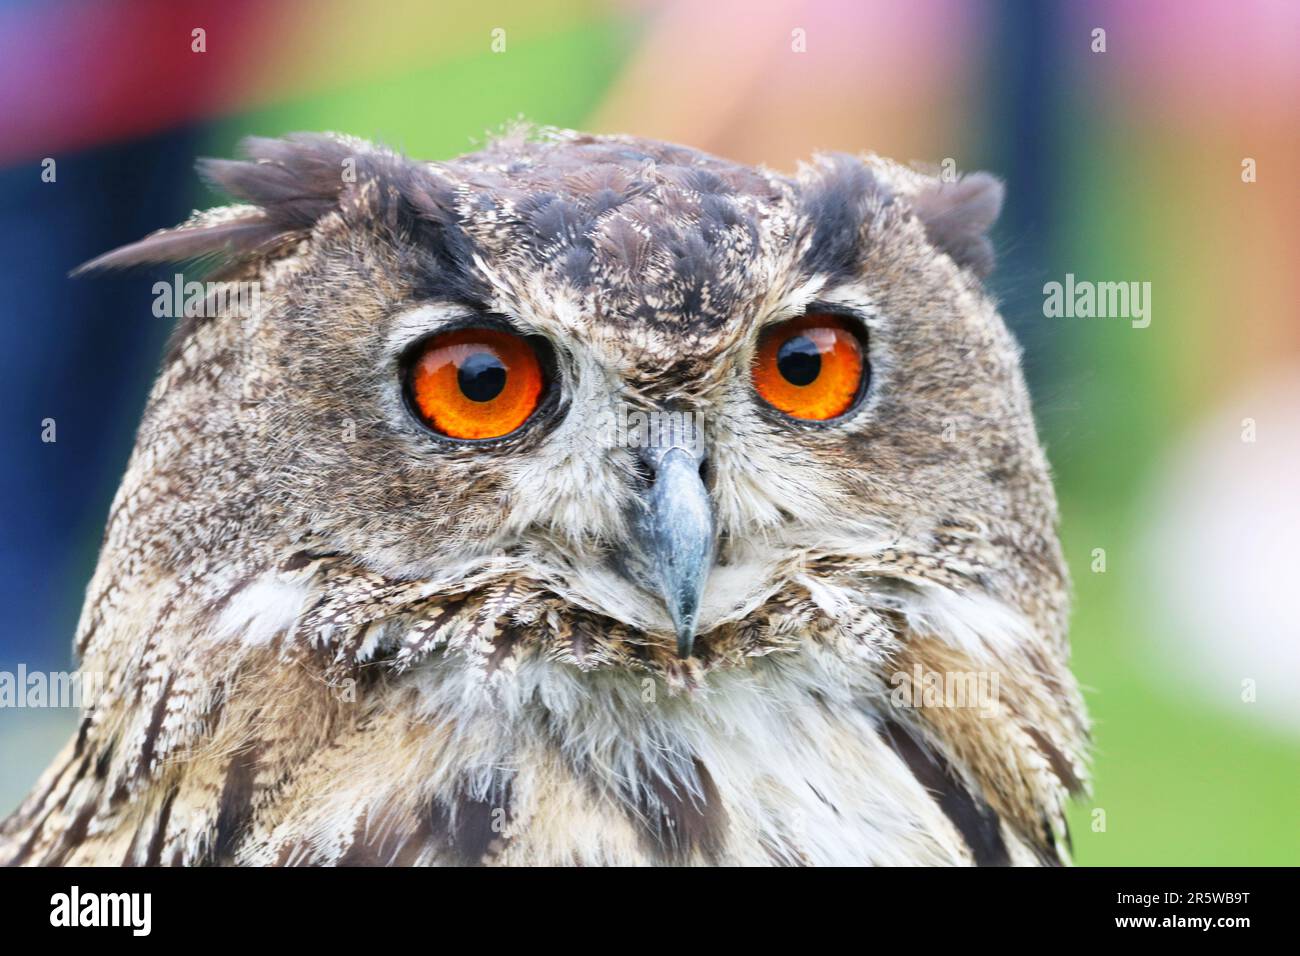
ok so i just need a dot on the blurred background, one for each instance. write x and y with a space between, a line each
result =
1176 446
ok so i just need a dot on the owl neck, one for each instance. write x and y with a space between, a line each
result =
799 757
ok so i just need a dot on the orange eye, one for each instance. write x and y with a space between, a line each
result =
811 367
475 383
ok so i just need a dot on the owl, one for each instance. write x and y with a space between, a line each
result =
583 500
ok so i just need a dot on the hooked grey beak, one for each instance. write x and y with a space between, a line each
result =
677 530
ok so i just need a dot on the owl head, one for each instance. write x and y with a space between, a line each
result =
614 400
503 440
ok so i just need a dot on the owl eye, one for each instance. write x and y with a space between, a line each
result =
474 383
813 367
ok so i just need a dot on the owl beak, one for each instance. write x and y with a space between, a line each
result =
677 527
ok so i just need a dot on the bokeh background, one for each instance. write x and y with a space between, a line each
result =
1122 166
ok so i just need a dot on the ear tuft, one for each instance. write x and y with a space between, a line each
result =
295 180
205 237
287 184
958 216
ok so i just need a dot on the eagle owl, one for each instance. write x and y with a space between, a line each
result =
582 500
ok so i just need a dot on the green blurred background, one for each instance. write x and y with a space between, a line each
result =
1122 165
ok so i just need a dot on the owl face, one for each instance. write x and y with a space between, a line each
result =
406 549
699 406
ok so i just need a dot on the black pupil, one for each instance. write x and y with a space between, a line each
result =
799 360
481 377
